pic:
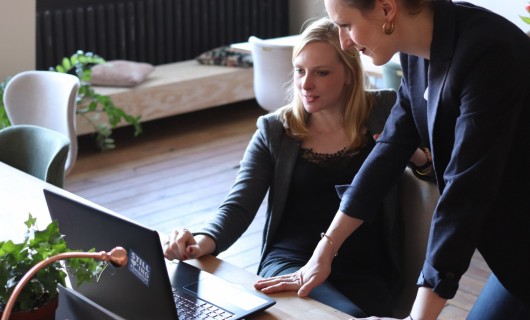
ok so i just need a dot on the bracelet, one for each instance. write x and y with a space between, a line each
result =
423 172
323 235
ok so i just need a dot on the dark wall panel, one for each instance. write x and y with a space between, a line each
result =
154 31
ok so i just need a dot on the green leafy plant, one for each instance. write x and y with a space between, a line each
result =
4 120
17 258
526 19
98 109
92 105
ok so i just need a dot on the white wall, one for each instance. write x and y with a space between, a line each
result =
510 9
301 10
17 36
17 26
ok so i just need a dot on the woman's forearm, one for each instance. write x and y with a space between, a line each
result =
428 305
340 228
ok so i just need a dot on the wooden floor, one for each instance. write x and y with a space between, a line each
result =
179 170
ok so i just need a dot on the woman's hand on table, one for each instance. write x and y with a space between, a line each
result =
303 281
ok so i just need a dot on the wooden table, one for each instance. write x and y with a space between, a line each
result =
21 194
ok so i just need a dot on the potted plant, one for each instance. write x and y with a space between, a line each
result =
90 104
4 121
41 292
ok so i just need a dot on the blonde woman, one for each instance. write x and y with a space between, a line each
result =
299 155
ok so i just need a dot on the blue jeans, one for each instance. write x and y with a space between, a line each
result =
496 303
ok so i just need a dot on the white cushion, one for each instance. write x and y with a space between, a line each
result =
120 73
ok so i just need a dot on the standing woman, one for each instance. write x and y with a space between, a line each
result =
465 90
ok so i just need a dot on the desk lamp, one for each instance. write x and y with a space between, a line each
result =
117 257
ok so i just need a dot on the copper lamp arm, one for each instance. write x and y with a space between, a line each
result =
117 257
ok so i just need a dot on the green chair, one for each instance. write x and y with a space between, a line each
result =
38 151
392 75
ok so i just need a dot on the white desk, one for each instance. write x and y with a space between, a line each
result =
20 194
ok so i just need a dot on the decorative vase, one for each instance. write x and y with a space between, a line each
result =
46 312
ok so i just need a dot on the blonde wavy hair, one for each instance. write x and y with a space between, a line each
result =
357 101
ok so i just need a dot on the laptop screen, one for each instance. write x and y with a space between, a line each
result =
142 289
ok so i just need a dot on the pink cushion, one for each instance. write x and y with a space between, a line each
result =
120 73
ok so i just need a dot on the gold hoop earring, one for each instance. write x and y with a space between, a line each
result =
388 29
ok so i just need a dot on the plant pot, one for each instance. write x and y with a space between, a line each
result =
46 312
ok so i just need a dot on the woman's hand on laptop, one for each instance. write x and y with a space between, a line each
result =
182 245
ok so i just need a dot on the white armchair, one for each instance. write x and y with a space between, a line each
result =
46 99
273 67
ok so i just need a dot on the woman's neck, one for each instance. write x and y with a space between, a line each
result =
325 122
326 133
415 33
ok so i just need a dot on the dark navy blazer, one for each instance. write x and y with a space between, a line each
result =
471 103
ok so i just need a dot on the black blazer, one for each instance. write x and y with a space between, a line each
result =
476 118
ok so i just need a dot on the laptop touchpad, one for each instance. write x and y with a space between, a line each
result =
214 289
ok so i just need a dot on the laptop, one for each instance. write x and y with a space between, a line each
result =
144 289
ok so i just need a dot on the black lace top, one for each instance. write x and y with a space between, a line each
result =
312 204
329 161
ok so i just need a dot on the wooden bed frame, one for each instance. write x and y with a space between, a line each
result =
178 88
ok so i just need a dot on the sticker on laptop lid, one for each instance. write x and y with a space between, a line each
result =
139 267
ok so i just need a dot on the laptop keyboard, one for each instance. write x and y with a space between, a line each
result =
198 309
